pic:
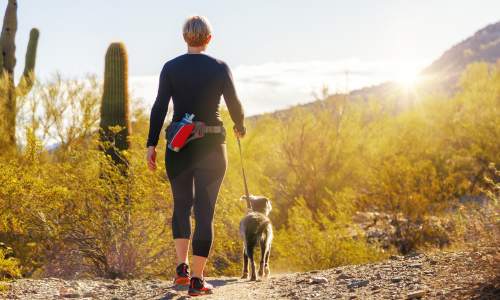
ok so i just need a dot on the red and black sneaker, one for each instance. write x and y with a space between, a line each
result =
182 275
199 287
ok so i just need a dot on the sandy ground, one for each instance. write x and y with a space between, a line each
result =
473 274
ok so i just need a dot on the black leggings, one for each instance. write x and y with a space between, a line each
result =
195 174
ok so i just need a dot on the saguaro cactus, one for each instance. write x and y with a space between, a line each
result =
9 91
115 122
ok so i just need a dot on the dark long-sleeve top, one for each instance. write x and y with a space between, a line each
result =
195 82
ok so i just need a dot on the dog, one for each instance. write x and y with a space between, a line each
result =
256 228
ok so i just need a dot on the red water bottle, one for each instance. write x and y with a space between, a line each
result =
182 131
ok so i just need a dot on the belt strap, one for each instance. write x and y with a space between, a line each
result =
208 129
213 129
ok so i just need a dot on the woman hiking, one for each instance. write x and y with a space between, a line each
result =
196 166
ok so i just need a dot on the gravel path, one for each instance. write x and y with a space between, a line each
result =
458 275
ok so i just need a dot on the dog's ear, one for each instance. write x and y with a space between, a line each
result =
269 206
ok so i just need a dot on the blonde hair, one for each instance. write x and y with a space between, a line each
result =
196 31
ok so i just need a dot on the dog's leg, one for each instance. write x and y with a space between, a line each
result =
267 272
245 264
250 250
262 257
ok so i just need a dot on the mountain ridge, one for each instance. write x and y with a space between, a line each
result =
441 76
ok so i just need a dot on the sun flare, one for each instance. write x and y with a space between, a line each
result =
408 77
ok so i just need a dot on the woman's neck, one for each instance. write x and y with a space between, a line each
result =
195 50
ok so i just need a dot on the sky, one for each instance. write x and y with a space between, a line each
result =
280 52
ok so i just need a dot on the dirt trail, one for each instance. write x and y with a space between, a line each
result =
471 274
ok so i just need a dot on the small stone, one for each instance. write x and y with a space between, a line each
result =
416 294
89 295
318 280
413 254
112 286
357 284
343 276
396 279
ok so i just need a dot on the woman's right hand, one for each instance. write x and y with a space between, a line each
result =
151 158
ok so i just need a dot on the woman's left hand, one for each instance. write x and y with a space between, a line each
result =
151 158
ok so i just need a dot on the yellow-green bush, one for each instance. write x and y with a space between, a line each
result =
9 267
68 212
321 241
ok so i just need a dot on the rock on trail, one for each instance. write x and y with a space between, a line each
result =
450 275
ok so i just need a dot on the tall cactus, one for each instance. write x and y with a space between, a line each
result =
115 121
9 91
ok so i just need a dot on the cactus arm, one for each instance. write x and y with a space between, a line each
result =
28 77
7 39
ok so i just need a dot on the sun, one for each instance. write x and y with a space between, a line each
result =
407 77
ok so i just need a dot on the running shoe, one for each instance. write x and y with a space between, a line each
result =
182 275
199 287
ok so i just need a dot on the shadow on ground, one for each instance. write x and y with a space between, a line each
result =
488 290
221 282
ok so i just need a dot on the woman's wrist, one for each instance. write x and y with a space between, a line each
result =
240 130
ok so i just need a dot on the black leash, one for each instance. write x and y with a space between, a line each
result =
244 176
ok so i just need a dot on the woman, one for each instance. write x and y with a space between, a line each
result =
195 82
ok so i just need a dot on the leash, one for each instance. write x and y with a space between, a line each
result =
244 176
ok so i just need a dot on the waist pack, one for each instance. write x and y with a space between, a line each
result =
182 132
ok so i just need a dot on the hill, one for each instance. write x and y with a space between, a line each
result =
483 46
440 77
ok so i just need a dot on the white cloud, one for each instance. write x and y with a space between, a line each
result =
271 86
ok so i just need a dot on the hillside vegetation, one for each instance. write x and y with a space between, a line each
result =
430 171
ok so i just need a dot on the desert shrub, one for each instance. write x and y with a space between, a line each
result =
322 241
432 156
71 217
66 211
9 266
61 112
478 220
